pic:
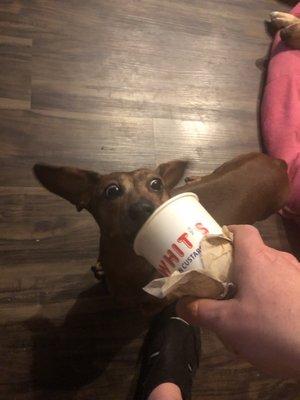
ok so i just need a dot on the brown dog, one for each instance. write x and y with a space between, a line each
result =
247 189
289 27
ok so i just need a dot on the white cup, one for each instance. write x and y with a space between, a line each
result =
170 238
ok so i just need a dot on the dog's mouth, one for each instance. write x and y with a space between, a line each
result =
131 234
130 238
132 229
134 219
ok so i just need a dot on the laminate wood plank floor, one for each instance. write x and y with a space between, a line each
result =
113 85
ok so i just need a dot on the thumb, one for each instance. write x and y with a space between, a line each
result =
202 312
247 242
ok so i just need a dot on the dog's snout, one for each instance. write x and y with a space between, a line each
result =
141 210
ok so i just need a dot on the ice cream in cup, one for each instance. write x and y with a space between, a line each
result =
170 238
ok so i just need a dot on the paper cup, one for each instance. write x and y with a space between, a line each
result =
170 238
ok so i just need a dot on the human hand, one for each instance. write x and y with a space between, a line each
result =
262 322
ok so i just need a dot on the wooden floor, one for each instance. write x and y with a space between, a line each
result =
112 85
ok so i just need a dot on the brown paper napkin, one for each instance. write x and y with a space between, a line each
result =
211 279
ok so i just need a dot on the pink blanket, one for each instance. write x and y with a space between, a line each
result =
281 115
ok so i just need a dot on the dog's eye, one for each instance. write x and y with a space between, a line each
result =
156 184
113 191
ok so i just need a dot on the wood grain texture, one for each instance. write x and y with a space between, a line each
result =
113 85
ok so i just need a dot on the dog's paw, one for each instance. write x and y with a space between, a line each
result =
262 63
281 19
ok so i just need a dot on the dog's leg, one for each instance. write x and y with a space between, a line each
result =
282 20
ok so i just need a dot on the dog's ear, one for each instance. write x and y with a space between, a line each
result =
73 184
172 172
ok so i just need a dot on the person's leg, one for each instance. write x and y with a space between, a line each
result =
169 358
280 117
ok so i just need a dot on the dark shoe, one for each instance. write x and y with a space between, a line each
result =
170 353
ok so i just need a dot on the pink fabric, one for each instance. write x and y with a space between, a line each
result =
281 115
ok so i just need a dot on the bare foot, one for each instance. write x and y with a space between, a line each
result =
291 35
282 20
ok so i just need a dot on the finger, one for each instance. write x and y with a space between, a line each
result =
202 312
247 242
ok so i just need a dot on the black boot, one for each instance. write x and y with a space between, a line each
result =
170 353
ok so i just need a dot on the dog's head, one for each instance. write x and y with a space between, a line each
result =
121 201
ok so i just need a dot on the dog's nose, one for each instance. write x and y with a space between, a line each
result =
141 210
